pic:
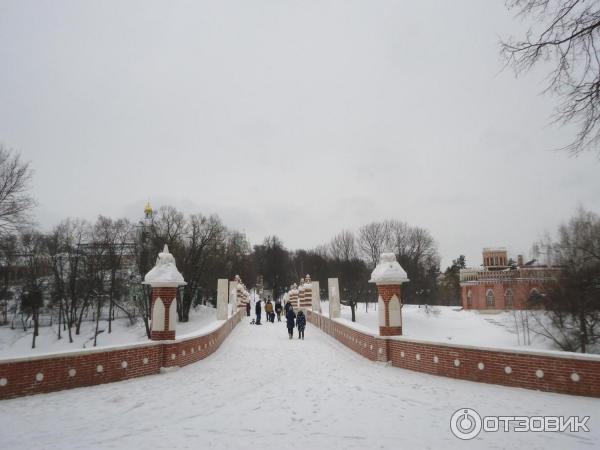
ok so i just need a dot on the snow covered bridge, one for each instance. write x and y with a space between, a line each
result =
261 390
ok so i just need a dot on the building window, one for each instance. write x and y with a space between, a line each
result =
489 296
508 298
469 299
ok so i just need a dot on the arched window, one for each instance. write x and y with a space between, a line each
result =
489 296
508 298
469 299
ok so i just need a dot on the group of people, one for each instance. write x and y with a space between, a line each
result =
271 311
292 319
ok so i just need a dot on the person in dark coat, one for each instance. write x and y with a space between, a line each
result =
287 307
248 309
258 310
278 309
290 316
301 324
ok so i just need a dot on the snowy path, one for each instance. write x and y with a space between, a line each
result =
262 391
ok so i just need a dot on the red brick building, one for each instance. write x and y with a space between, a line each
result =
501 283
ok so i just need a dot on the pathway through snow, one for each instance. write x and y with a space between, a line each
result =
262 391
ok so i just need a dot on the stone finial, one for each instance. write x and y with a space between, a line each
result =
388 271
307 278
164 272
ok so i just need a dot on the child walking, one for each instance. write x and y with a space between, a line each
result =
301 323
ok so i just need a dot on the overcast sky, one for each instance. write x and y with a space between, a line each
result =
295 118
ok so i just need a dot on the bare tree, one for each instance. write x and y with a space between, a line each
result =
417 253
343 246
32 297
15 201
572 303
71 284
565 35
372 241
114 237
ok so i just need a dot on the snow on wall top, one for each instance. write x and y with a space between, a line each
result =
388 271
164 271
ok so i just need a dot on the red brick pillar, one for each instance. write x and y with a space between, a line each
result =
389 276
306 300
391 322
300 294
164 279
167 296
294 296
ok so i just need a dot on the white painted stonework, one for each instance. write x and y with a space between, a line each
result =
158 316
316 297
388 271
334 298
233 297
395 312
222 294
173 315
381 311
164 273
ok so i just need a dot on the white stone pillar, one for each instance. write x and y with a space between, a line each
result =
316 297
334 298
233 297
222 294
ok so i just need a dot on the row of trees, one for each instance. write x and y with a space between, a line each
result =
352 256
81 267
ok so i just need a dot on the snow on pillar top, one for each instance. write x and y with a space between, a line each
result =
388 271
164 273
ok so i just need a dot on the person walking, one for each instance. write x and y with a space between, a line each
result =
248 309
257 310
269 311
290 316
278 309
301 324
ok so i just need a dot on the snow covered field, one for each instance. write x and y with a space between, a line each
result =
18 342
262 391
449 324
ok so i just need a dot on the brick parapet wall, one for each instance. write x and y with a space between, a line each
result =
566 374
49 373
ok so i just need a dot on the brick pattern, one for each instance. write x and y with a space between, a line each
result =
386 292
58 372
306 299
390 331
167 295
521 289
565 375
294 298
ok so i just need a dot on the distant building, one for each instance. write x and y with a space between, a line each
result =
503 283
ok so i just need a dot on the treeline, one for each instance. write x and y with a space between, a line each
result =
81 266
351 256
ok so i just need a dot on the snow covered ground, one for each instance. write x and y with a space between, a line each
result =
450 324
262 391
18 342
